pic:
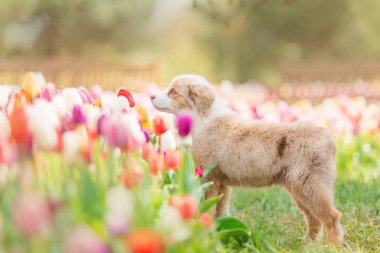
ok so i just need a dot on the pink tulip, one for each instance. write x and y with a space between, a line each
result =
85 95
82 239
184 124
32 214
78 115
48 92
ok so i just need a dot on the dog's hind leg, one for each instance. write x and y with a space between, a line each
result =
318 199
314 225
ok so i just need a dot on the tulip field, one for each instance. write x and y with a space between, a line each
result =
85 170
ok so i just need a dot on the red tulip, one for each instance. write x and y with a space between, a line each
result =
186 205
159 125
199 171
125 93
145 241
172 159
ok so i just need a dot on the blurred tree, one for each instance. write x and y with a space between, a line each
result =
72 26
249 37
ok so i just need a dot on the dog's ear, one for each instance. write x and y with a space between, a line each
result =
202 96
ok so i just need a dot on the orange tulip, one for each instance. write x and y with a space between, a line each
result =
159 125
145 241
206 220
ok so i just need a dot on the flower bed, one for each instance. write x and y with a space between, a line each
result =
96 171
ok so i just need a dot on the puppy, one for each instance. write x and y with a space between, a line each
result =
298 156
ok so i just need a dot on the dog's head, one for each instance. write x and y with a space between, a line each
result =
185 92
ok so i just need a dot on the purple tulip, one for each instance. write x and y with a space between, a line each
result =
184 124
78 115
147 135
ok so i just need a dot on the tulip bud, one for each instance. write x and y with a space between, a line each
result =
199 171
206 220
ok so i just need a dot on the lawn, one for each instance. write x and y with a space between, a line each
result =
271 214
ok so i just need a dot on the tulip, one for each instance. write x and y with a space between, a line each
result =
71 97
93 116
85 95
167 141
186 205
136 134
119 211
125 93
5 127
155 163
144 241
78 115
48 92
147 150
199 171
8 152
147 135
32 83
172 159
120 104
19 122
184 123
32 215
44 132
71 145
159 125
132 177
59 105
172 224
142 113
82 239
206 220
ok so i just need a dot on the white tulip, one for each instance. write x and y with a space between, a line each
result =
59 105
72 97
133 127
119 212
171 223
167 141
120 103
93 113
71 145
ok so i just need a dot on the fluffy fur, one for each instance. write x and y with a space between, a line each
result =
298 156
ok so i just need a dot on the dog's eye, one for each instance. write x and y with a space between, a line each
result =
172 92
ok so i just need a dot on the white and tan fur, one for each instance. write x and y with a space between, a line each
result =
298 156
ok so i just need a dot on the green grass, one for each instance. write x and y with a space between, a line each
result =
274 218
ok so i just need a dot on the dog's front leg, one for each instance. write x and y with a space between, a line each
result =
223 206
215 190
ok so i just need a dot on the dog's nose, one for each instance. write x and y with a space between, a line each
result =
152 97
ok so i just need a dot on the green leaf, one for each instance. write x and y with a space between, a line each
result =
187 179
236 233
202 189
209 170
209 203
228 223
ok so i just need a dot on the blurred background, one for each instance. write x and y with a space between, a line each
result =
134 42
